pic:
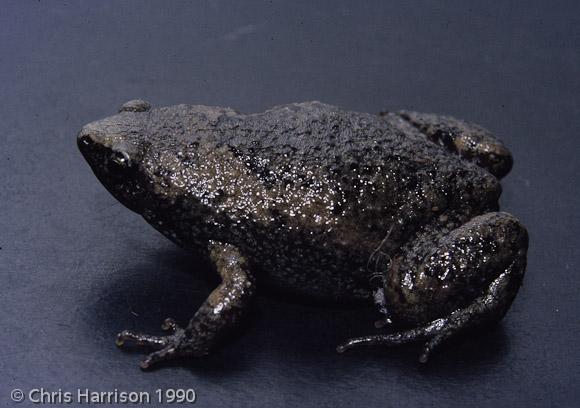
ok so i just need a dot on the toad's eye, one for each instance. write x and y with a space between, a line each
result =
119 161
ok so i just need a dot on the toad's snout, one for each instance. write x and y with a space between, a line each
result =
84 139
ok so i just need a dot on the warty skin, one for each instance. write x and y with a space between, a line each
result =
400 209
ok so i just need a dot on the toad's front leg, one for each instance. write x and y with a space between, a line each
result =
221 312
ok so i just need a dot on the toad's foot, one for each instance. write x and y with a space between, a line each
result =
221 312
489 307
383 322
505 268
470 141
178 342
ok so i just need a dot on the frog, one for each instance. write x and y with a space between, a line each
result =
397 210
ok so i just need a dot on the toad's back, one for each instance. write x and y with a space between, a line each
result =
309 129
310 192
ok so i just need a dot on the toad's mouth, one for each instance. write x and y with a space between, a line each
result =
123 184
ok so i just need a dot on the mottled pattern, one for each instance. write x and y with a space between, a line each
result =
322 203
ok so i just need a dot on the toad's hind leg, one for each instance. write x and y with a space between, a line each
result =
490 306
221 311
503 268
469 140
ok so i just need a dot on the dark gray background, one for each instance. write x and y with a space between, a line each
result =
76 267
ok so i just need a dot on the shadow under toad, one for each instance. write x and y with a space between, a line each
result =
295 337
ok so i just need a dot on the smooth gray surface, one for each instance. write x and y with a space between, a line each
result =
76 267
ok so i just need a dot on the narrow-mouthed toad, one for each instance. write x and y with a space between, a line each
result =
397 208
